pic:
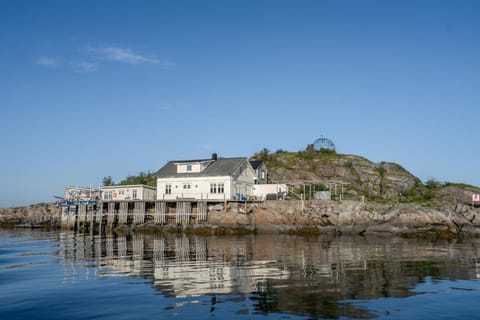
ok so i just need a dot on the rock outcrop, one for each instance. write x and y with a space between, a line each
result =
354 217
34 215
383 180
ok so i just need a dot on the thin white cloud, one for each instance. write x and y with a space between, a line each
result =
84 66
126 55
47 62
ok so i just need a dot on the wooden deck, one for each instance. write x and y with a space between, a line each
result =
116 213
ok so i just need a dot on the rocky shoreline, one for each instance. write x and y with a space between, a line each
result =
298 217
352 217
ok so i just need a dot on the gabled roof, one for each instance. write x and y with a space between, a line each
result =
256 164
219 167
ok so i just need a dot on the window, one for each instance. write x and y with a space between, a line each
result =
107 195
187 186
189 167
263 174
217 188
134 193
168 189
213 188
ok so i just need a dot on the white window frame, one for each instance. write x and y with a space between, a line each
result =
213 188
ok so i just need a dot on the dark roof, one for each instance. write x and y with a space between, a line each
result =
219 167
256 164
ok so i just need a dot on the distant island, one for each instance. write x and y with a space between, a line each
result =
375 198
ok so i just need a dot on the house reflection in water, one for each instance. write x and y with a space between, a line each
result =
278 273
180 265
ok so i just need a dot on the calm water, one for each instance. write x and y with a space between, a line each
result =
63 275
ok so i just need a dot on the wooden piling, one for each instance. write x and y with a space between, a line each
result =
139 212
111 214
187 213
184 211
178 213
123 213
160 216
202 209
82 213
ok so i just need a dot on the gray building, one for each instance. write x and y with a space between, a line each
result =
261 171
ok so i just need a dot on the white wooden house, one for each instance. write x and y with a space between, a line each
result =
129 192
214 179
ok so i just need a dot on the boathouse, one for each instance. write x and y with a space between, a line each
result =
214 179
129 192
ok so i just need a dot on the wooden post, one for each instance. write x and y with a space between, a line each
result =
202 211
123 213
178 212
188 212
82 214
139 212
111 214
76 217
160 216
100 217
224 205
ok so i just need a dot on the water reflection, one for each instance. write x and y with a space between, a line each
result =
286 274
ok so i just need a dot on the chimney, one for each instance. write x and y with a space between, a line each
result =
214 156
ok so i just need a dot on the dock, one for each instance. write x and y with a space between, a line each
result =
111 214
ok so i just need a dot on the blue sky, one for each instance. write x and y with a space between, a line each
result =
96 88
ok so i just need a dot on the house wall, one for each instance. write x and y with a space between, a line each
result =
200 188
243 181
149 194
120 193
262 190
262 177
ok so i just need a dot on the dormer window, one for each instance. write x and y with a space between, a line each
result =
192 166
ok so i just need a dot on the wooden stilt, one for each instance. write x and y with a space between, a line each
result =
123 213
139 212
111 214
160 216
201 211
